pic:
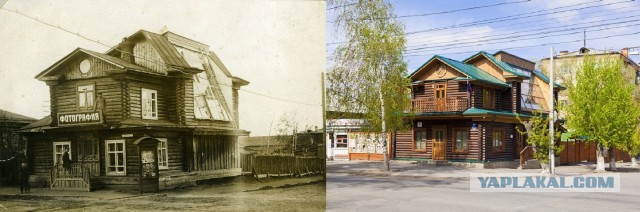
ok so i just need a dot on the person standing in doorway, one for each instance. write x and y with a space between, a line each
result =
66 161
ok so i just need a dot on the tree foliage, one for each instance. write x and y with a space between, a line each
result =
369 71
537 131
601 103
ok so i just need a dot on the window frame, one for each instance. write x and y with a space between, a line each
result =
163 165
55 153
154 104
342 140
107 159
501 147
88 104
488 99
455 139
413 140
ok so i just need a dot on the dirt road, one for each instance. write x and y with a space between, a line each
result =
232 194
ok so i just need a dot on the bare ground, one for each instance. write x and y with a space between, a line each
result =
235 194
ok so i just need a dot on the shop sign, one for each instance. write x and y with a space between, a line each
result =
93 117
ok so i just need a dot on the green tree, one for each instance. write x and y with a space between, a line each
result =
601 106
537 131
369 74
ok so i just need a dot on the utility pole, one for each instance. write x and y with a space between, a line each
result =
551 118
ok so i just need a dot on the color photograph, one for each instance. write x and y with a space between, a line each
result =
493 105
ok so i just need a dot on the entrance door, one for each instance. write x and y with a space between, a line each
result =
439 143
440 97
88 155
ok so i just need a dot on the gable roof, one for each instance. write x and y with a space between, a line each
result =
513 55
218 62
544 78
502 65
107 58
167 52
7 116
470 71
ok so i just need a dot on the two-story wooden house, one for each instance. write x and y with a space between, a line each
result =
159 91
466 111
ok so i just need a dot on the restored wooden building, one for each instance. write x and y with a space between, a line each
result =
158 106
466 111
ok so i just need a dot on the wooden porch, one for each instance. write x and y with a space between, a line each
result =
448 104
77 177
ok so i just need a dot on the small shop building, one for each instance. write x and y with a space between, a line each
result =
155 111
349 139
467 111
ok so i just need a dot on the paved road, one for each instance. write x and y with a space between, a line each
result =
421 190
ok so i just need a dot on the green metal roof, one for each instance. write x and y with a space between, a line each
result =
502 65
472 72
478 111
546 79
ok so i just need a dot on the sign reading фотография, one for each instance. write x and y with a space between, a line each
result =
93 117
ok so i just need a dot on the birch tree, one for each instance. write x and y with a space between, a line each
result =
601 106
368 75
537 131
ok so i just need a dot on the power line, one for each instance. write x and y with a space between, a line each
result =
529 46
500 40
123 52
510 17
518 16
539 21
438 13
463 9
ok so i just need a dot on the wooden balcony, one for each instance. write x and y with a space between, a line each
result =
449 104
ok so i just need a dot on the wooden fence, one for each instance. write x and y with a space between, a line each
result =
76 177
281 165
580 151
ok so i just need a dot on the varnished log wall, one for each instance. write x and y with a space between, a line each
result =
404 141
509 142
454 89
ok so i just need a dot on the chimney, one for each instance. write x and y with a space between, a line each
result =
126 50
625 52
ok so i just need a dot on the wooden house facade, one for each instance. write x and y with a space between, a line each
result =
467 111
154 100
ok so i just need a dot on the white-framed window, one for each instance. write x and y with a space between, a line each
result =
86 96
163 154
58 151
115 155
149 104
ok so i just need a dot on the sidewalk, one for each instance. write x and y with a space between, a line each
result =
412 169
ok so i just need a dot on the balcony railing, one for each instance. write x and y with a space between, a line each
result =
449 104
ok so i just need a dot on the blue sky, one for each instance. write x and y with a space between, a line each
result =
602 19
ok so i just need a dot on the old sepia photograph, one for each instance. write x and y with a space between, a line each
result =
162 105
